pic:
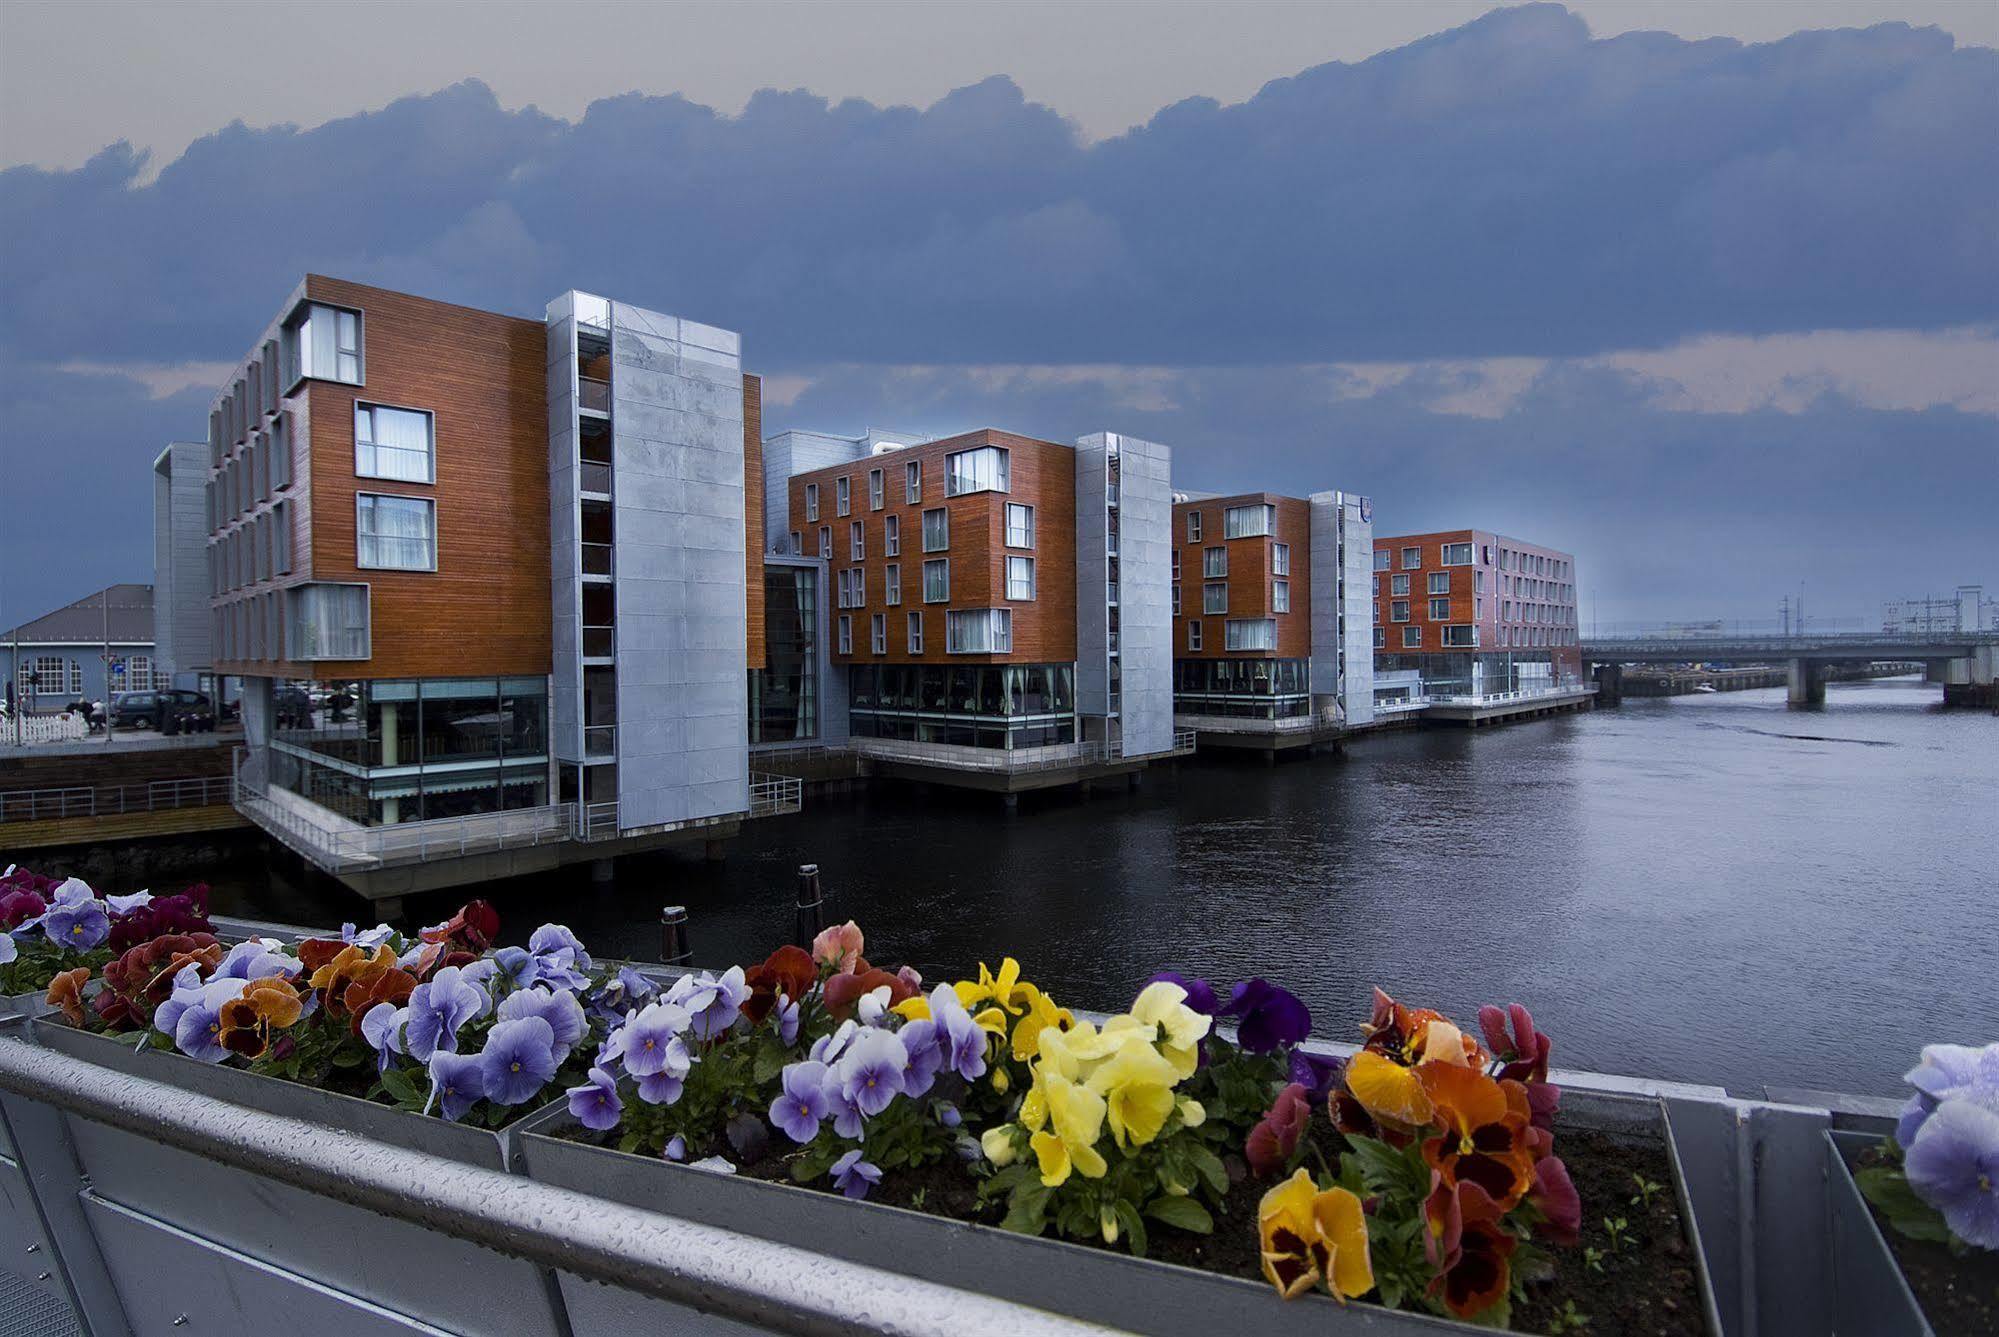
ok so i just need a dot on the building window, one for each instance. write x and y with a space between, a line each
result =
1214 562
1280 596
1412 558
846 634
1215 597
1020 525
878 634
1245 522
1457 554
328 622
1398 610
1398 584
844 583
1020 578
395 533
982 470
51 675
281 538
892 583
1252 633
1440 582
1381 559
1478 581
281 451
1194 634
857 541
1412 636
912 481
1176 563
826 542
1193 526
394 443
811 501
1380 639
1440 609
936 530
1280 559
797 543
937 580
1460 635
914 635
978 631
1176 600
323 342
843 499
892 535
875 490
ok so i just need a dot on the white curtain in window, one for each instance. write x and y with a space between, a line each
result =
396 532
392 443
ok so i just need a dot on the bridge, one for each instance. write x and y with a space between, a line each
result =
1963 661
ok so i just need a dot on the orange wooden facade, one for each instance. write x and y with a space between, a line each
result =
753 517
1520 596
1251 577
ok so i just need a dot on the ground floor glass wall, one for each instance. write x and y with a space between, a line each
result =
784 694
1261 689
971 705
1481 673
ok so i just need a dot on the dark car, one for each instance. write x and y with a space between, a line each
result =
170 710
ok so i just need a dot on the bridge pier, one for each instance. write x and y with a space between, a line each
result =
1807 682
1609 684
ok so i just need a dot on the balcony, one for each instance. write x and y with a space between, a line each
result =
600 742
593 395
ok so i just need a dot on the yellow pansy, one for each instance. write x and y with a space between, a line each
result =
1311 1237
999 1146
1075 1121
1386 1089
1192 1113
1444 1043
1041 1015
1137 1085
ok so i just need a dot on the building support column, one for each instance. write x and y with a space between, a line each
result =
1609 684
1807 680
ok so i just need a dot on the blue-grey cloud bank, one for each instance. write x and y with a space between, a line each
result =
1510 197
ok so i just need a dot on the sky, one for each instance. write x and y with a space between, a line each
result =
1707 294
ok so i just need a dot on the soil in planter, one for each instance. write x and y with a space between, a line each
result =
1959 1294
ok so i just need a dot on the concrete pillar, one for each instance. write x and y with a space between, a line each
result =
1609 684
602 872
1011 802
1807 683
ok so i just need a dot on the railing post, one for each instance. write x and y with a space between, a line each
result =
673 948
808 918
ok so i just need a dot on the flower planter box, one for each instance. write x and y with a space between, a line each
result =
1870 1294
152 1206
1064 1278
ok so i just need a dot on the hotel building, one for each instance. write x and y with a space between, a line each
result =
1471 613
1270 617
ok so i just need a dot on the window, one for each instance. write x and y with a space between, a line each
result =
281 538
1244 522
1457 554
1381 559
913 636
1193 526
846 634
857 541
982 470
1412 636
1176 601
1020 577
1176 564
1412 558
1194 634
394 443
1020 526
1253 633
1380 639
51 675
1280 559
1478 581
323 342
937 581
1440 609
843 500
844 580
395 533
1398 584
892 583
1461 635
797 542
892 535
328 622
1280 596
826 542
1214 562
281 451
936 530
1485 554
1398 610
978 631
1215 597
1440 582
912 490
875 490
878 634
811 501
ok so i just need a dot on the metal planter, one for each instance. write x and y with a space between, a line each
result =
1869 1293
1062 1278
160 1212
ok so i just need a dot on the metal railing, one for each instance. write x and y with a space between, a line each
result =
600 740
1502 698
1056 756
35 805
775 795
1401 706
596 820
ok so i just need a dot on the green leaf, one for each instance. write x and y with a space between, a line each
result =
1385 1169
1027 1209
1134 1228
1209 1166
1888 1189
769 1063
400 1087
1009 1179
1181 1214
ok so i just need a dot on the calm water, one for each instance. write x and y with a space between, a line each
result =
1710 888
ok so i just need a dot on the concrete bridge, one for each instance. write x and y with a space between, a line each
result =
1963 661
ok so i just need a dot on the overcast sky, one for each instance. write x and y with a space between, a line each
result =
1712 302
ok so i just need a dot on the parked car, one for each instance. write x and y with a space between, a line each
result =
175 706
292 707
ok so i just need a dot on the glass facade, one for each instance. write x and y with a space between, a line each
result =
784 695
1259 689
379 753
1481 673
972 705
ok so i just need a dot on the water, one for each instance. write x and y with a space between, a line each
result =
1709 888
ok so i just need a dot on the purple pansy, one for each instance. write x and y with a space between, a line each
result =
1267 1016
926 1056
557 937
854 1176
869 1074
595 1103
787 1020
675 1149
125 905
437 1008
256 959
186 991
713 1002
801 1105
1954 1167
382 1028
82 924
1946 1071
652 1041
9 949
457 1083
1200 994
1317 1073
664 1087
198 1029
557 1007
827 1049
518 1059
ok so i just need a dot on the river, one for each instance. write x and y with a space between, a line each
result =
1709 888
